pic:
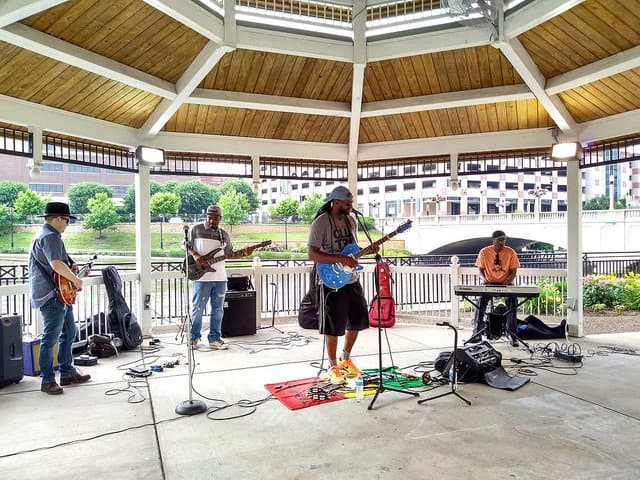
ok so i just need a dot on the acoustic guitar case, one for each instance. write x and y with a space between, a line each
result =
122 322
387 303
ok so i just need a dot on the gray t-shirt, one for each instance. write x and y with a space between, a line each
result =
331 235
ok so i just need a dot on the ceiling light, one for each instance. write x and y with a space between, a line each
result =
565 151
150 156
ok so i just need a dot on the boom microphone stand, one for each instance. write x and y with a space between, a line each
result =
376 282
191 406
453 368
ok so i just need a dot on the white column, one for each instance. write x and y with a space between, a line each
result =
143 246
575 318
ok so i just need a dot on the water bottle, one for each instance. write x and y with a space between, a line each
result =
452 374
359 387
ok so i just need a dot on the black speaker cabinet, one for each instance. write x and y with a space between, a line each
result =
11 368
239 314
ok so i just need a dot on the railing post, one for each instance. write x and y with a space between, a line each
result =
257 280
455 301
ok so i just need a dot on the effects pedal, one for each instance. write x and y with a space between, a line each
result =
156 368
85 360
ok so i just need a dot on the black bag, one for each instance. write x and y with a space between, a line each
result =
532 328
309 311
95 325
103 346
122 323
239 283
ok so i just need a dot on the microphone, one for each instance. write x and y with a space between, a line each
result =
357 212
186 229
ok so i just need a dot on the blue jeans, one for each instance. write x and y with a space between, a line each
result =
202 293
58 324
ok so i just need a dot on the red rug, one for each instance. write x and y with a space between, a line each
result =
293 394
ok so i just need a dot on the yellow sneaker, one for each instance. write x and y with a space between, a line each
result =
335 375
349 367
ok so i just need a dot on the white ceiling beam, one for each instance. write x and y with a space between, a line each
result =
527 69
534 14
288 43
439 101
52 47
21 112
451 38
606 67
193 16
12 11
208 57
357 87
609 127
273 103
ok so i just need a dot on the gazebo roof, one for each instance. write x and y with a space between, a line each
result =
190 76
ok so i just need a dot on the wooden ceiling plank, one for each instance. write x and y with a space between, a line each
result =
299 78
451 70
412 81
427 124
192 16
536 13
462 69
219 74
346 84
472 116
440 70
62 20
472 61
91 28
592 30
573 47
12 11
483 117
610 92
319 76
335 87
261 85
239 70
626 21
522 114
426 69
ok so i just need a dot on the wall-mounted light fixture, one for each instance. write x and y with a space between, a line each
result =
153 157
565 151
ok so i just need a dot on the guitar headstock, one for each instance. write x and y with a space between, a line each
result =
405 226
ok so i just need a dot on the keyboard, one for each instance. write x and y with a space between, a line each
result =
522 291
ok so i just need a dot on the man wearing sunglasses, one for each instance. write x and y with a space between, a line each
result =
46 256
497 265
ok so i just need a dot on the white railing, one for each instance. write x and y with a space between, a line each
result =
420 293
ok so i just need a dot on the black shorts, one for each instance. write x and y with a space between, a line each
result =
345 309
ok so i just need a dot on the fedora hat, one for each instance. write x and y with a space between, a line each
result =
339 193
57 209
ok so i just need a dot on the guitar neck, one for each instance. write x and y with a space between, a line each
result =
374 246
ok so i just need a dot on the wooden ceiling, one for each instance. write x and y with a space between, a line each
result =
154 67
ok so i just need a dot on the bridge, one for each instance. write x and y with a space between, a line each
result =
602 230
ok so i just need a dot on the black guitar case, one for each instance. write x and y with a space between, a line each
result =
122 322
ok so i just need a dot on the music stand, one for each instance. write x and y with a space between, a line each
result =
190 406
453 366
381 388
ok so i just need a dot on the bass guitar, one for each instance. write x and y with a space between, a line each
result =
66 292
195 271
335 275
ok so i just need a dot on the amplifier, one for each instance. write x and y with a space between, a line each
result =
31 357
11 370
479 356
239 313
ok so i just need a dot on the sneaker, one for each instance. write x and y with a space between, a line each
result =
75 378
335 375
218 345
51 388
194 342
349 367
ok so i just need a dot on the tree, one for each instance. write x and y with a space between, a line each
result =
80 193
5 218
129 199
239 186
288 207
597 203
29 203
102 214
165 203
194 197
234 205
309 208
9 192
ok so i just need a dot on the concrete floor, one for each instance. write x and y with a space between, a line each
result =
584 426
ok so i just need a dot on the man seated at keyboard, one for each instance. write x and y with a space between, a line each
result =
497 265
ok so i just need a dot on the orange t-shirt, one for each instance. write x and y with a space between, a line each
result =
497 265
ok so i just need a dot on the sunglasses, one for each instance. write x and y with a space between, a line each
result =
66 219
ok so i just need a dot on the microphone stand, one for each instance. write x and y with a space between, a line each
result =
191 406
452 368
376 282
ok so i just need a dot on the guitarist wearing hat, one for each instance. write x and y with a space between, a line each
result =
345 309
203 238
46 256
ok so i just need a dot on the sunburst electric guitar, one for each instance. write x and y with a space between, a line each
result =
65 290
195 271
335 275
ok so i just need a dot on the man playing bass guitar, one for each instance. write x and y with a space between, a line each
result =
345 309
48 255
204 238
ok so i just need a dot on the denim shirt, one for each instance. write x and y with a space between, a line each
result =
47 246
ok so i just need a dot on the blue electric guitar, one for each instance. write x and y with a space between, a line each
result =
335 275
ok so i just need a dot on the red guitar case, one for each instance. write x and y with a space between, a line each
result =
387 303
